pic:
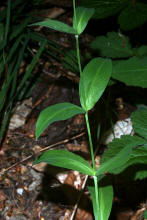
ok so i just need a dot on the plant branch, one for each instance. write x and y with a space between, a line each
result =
78 53
96 192
90 140
77 38
74 10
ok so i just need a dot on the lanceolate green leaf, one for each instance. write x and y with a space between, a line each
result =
139 120
66 159
105 198
93 81
56 25
83 15
133 72
93 197
54 113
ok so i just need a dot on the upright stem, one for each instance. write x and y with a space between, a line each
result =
90 140
78 53
74 9
77 38
96 193
86 114
93 162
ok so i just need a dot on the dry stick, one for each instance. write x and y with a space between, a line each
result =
44 149
78 200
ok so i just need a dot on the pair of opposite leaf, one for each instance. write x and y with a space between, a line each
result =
80 21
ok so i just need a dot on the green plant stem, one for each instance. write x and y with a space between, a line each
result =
86 115
74 9
96 193
78 53
77 39
93 162
90 140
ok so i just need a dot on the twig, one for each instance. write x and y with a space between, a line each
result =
42 150
78 200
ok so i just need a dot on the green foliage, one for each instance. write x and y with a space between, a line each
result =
140 174
141 51
137 161
132 14
104 8
121 153
56 25
132 72
61 111
65 159
93 197
145 214
93 81
114 45
81 19
105 199
133 144
139 120
115 161
79 22
15 44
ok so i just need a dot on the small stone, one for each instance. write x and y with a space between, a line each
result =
35 174
33 185
36 149
121 127
40 166
20 191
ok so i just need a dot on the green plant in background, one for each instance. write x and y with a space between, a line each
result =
93 81
145 214
16 46
132 13
14 41
132 70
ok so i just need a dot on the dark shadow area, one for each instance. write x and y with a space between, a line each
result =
64 195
